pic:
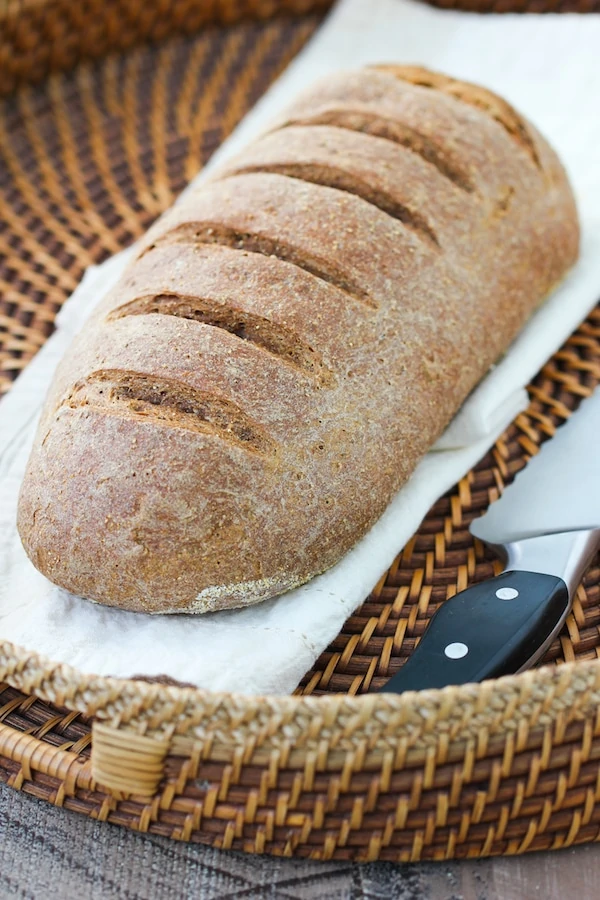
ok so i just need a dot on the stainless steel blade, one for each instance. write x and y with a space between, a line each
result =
558 490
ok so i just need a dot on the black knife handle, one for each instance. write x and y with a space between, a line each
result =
491 629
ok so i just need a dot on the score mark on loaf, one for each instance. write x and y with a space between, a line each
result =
291 339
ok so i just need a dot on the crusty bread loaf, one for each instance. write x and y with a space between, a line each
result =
292 337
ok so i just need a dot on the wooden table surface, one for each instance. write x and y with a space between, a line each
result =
52 853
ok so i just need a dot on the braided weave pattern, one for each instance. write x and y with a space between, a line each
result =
502 767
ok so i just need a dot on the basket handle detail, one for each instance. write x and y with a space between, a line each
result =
35 755
126 762
121 761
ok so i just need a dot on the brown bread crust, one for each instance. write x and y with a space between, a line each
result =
291 339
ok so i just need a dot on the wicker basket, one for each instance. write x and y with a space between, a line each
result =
519 6
53 35
87 160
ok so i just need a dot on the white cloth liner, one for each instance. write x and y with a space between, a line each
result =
549 67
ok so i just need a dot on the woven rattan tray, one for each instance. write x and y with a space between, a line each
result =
87 160
53 35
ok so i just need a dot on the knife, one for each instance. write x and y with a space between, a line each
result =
546 528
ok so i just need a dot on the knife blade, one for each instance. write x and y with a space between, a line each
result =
546 528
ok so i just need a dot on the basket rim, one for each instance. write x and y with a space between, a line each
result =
544 696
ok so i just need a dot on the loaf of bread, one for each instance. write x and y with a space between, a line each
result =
290 340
